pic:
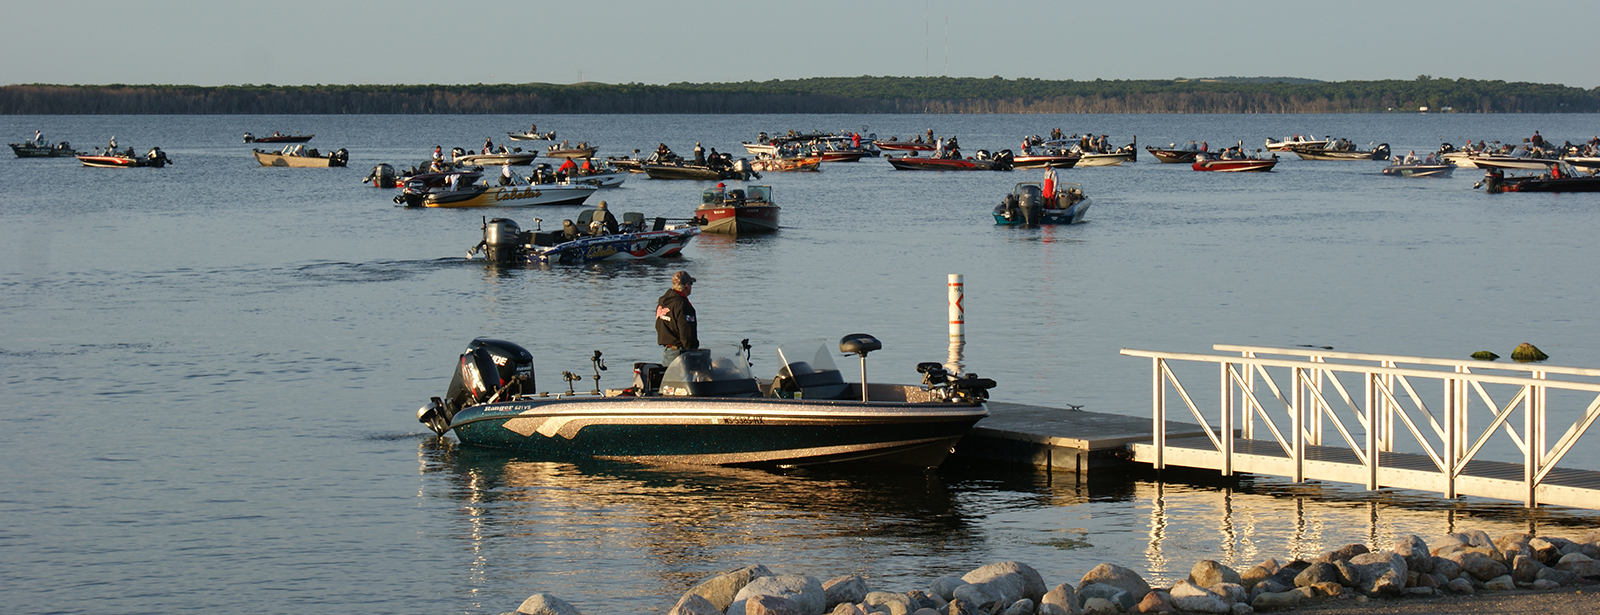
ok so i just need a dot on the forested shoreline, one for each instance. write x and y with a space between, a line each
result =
817 95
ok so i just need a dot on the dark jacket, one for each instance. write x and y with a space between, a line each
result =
675 323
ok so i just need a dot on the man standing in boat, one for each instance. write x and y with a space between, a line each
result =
676 328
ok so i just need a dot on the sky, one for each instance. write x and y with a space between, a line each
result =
301 42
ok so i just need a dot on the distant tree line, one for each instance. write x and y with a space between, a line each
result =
817 95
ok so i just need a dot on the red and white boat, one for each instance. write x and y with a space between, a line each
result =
737 211
1235 165
113 160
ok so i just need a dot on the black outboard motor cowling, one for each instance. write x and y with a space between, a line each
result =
489 369
501 240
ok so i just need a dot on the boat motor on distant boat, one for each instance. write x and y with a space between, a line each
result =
596 236
706 408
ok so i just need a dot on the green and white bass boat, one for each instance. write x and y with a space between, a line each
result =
706 409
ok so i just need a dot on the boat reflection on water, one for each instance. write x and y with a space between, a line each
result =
614 536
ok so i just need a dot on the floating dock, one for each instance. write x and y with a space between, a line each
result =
1060 439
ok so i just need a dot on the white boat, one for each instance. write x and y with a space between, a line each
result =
1294 141
1523 163
516 158
436 190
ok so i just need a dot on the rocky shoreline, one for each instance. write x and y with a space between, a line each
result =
1464 563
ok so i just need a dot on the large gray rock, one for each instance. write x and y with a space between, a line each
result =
1525 569
889 602
1345 552
1062 597
1477 564
1446 567
1157 601
1500 583
1020 607
805 591
1206 573
1546 550
1289 571
849 588
923 600
1190 597
1320 572
694 604
1012 581
765 604
1110 593
1099 605
720 590
1117 576
1240 608
1459 586
1271 601
1234 593
1579 564
846 608
945 587
1415 550
1382 573
546 604
978 598
1267 586
1558 576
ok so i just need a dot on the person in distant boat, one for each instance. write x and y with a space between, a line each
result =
505 173
533 129
567 168
1537 140
938 148
488 146
1411 157
699 154
113 147
1205 147
855 140
676 327
38 138
588 166
438 154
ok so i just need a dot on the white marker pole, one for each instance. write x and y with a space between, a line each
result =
958 321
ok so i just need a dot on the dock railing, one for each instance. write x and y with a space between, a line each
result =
1303 397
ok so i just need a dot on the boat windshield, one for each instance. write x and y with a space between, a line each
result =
708 373
808 371
758 193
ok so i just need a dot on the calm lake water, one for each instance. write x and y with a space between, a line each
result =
210 371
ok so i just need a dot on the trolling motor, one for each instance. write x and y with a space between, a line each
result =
947 386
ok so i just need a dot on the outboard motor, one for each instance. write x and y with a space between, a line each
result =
1382 153
1009 208
382 176
502 239
489 370
1031 205
1003 160
339 158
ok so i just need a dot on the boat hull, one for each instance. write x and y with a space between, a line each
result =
513 158
274 159
1420 170
511 196
117 162
919 163
574 152
1173 155
903 146
1513 162
1041 161
280 139
1235 166
1106 160
739 219
763 432
603 180
1496 185
1070 215
620 247
673 171
781 165
27 150
1307 153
